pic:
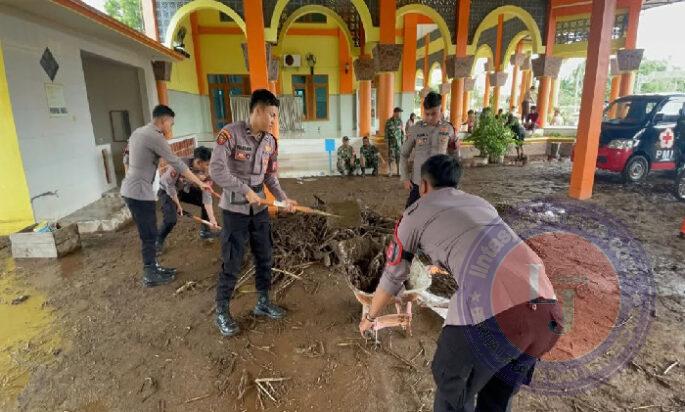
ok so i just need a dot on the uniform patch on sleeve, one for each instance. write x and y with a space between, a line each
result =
174 174
223 137
393 254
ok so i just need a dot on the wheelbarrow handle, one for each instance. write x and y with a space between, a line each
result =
186 214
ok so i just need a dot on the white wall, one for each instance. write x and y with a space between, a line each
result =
59 153
193 115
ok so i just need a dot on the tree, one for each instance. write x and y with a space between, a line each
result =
128 12
656 76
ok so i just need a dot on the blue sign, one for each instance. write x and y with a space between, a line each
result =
329 144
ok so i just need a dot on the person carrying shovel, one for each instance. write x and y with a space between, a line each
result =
243 162
504 315
174 189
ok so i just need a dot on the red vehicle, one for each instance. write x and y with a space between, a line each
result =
642 133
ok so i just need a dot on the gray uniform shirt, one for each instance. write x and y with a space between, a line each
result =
241 161
146 145
426 141
463 234
172 182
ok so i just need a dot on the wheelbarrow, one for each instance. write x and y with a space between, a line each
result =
418 283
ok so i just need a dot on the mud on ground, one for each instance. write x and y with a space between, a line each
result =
125 348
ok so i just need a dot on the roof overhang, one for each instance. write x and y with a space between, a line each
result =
90 22
649 4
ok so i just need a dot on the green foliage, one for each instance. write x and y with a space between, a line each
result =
129 12
658 76
491 137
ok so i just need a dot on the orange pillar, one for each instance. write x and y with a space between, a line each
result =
465 106
543 99
628 79
365 107
256 46
345 62
426 69
614 94
486 93
409 54
162 93
386 80
592 103
553 96
457 102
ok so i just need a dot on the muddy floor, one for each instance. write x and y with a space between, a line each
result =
95 340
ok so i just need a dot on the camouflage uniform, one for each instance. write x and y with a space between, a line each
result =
395 137
346 160
369 154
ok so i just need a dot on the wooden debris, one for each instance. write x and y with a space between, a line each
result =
198 398
671 366
243 386
189 285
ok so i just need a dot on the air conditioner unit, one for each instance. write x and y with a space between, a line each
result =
292 60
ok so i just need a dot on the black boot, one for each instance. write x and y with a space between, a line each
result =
165 270
265 308
153 277
227 326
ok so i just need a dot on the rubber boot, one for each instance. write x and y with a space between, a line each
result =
153 277
224 322
165 270
264 307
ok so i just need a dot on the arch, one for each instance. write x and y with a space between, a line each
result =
522 14
484 51
272 34
195 6
434 15
419 75
434 66
511 48
323 10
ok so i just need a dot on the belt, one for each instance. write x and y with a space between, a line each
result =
257 189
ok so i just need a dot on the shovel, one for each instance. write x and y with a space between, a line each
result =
298 208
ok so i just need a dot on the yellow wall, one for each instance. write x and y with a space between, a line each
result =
325 48
222 54
15 207
183 75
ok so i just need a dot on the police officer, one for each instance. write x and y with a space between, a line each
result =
146 145
174 189
395 136
486 349
346 158
368 157
243 162
430 136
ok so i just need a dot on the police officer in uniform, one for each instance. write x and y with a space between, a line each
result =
428 137
243 162
487 349
146 145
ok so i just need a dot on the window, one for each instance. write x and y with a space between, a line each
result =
671 111
629 110
221 87
224 18
312 18
314 92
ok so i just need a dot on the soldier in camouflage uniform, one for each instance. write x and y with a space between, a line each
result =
346 158
395 136
368 156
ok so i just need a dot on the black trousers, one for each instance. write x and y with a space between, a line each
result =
237 230
145 216
169 214
414 195
481 367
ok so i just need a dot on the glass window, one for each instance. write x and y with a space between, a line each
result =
322 102
302 93
630 111
300 79
319 79
671 111
314 92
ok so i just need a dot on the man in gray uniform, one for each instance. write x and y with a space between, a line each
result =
429 137
174 189
503 317
146 145
243 162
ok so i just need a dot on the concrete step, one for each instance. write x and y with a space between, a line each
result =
104 215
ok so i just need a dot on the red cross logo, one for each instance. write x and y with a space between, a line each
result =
666 139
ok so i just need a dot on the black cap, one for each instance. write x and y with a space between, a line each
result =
345 138
397 110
